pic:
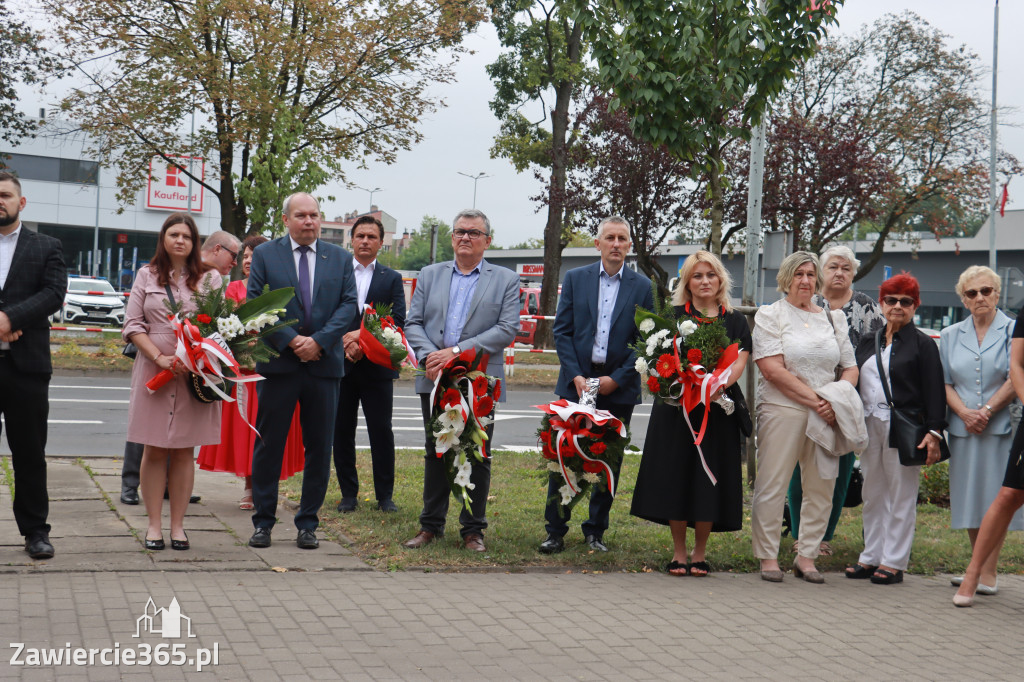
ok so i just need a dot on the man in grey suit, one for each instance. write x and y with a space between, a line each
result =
458 305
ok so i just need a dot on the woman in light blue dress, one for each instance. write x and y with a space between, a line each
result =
976 364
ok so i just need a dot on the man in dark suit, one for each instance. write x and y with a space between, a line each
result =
32 286
458 305
309 369
365 381
594 326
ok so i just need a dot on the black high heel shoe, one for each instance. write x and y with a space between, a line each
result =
155 544
180 544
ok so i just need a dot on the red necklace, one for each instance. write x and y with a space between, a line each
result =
688 309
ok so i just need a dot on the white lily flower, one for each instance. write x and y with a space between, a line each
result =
567 494
462 477
446 439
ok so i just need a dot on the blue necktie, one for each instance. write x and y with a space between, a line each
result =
304 288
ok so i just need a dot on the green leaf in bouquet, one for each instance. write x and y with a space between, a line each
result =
266 302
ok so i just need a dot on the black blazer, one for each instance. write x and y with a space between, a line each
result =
385 287
915 372
35 288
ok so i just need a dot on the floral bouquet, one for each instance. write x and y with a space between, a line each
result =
583 444
463 406
221 337
684 362
382 341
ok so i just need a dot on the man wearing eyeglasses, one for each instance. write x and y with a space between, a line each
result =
221 251
461 304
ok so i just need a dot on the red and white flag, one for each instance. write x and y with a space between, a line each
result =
1002 202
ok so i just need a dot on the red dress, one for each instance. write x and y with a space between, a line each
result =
234 452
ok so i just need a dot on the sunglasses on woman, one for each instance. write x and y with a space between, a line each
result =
905 302
984 291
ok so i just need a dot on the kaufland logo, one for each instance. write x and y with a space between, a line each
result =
166 622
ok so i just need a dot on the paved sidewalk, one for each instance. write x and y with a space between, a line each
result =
329 617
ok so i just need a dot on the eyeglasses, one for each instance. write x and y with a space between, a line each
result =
234 254
472 234
984 291
904 301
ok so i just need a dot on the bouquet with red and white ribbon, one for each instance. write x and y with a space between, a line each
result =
382 341
684 362
221 337
463 400
583 444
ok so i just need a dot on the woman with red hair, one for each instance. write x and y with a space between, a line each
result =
911 364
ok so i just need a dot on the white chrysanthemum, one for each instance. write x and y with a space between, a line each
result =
640 366
591 477
229 327
687 327
553 466
647 325
667 343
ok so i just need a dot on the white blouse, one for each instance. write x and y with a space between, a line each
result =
809 347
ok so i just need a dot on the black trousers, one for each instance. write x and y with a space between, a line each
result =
131 466
436 489
377 397
25 405
600 499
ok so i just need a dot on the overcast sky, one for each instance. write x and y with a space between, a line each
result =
425 180
458 138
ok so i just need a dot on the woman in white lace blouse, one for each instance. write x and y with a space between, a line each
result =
797 348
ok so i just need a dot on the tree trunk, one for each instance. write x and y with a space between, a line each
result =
717 201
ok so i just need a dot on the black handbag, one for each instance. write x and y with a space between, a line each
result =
855 491
130 350
906 425
742 412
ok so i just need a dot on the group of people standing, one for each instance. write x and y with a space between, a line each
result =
834 364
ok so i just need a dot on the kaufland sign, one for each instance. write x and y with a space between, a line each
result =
168 186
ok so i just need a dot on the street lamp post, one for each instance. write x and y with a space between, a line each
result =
475 178
371 191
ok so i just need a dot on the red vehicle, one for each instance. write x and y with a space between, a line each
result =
529 304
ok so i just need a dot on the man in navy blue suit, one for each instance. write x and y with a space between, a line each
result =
309 369
365 381
593 328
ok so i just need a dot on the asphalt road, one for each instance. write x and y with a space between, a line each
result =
89 418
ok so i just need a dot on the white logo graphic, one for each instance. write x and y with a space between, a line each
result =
170 619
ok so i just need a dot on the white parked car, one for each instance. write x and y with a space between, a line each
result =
91 300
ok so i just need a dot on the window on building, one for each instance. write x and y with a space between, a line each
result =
50 169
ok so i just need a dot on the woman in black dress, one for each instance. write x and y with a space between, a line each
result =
672 487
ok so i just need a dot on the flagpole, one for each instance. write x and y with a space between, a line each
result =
993 144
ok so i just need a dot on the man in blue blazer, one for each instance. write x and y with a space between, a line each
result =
458 305
364 381
594 326
32 286
310 367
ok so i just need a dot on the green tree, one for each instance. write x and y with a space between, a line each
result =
680 67
327 81
545 60
416 255
21 60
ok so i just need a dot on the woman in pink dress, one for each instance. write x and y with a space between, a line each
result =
234 452
169 422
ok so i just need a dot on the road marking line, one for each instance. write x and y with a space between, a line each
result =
101 388
88 400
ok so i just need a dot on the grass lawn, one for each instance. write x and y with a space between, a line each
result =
516 516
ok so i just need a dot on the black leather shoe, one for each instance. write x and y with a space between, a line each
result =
155 545
552 545
387 505
260 538
194 499
180 544
348 504
595 544
130 496
39 547
307 539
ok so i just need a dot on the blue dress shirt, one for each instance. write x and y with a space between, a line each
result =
608 292
460 295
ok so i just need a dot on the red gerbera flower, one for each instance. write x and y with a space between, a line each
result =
652 384
694 355
451 397
592 467
497 389
598 448
666 366
483 406
204 318
480 385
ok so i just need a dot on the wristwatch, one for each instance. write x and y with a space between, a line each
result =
456 349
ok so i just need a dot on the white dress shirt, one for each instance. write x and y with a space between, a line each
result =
310 261
364 275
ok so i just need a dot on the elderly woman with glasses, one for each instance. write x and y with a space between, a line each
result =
864 316
976 364
910 361
798 347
